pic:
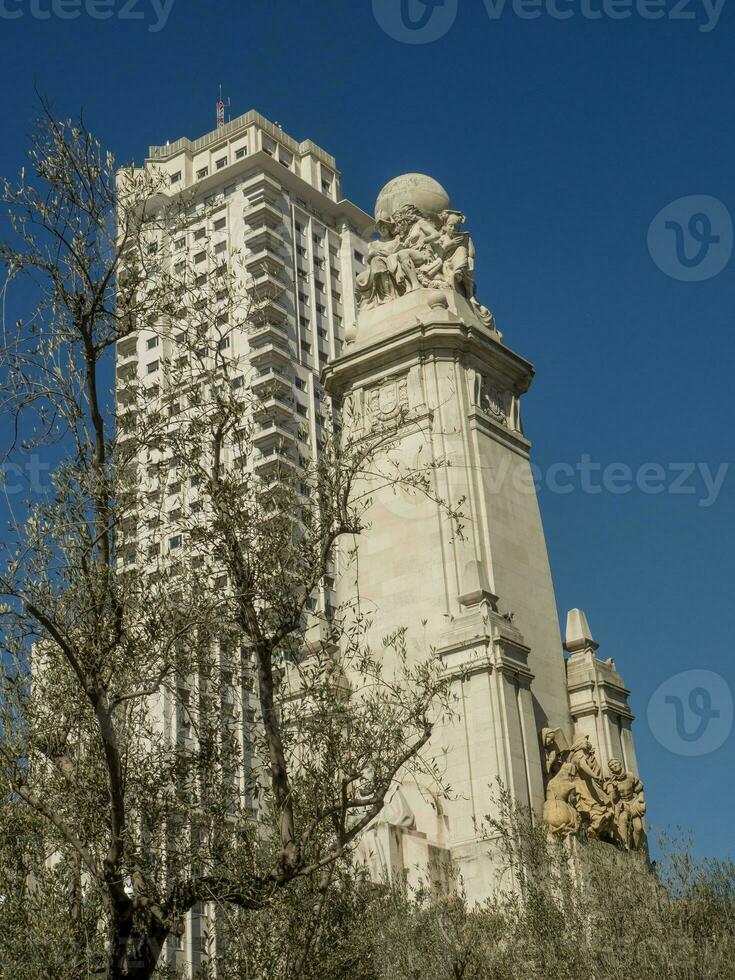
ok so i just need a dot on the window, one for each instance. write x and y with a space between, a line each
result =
200 257
300 384
237 382
174 542
221 163
199 234
321 308
301 409
220 247
180 266
306 348
326 186
319 284
223 344
151 343
175 178
152 367
318 241
152 248
195 507
179 244
299 227
300 250
322 333
304 322
360 257
180 338
220 223
230 190
201 174
184 719
303 297
239 154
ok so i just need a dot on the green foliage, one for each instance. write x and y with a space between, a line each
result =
562 912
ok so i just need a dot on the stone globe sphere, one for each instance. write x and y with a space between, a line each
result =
423 192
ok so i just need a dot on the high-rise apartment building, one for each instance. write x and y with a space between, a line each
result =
249 189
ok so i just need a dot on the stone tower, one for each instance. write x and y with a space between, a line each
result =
426 357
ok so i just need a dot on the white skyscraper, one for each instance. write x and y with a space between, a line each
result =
245 188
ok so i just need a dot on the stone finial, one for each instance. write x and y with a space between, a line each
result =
578 634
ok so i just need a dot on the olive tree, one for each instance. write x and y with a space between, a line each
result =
183 725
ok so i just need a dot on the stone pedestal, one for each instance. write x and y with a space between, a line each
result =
481 599
426 362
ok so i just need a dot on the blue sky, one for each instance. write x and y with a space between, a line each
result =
561 139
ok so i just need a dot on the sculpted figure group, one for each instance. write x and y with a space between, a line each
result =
580 796
415 250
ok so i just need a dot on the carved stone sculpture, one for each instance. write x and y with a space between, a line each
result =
560 815
593 801
421 244
626 792
609 808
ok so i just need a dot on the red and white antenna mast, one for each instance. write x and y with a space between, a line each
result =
221 106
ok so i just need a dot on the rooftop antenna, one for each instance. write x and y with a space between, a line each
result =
221 106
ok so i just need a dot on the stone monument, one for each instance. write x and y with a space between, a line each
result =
426 357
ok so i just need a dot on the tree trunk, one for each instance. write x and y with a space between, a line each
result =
134 955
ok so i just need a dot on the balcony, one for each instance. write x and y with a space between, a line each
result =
277 408
262 187
127 348
264 237
268 310
264 285
275 462
262 212
268 435
271 383
270 356
269 333
265 261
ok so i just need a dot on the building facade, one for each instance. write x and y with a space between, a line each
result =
249 190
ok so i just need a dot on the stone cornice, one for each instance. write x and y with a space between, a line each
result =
436 333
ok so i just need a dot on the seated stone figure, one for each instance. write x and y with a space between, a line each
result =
421 244
395 259
559 815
